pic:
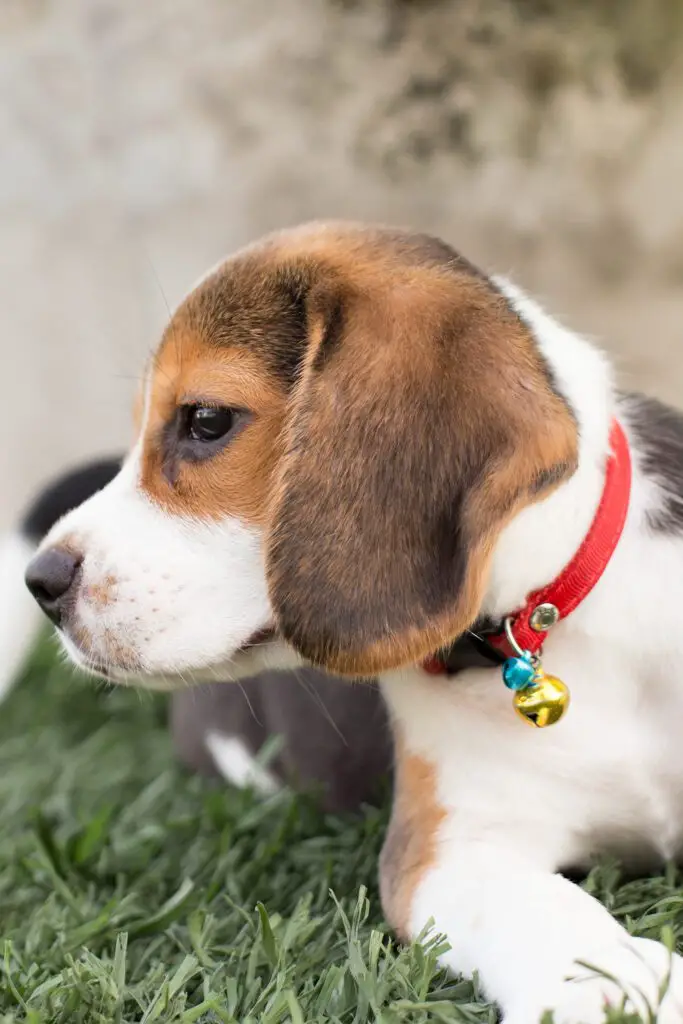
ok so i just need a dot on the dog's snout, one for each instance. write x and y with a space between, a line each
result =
50 577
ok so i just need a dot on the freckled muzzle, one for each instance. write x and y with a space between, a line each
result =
57 578
138 593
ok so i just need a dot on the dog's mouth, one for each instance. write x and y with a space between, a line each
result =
94 668
84 659
123 669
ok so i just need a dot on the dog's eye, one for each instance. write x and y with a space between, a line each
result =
198 432
206 423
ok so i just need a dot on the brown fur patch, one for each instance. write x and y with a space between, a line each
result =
411 842
72 544
101 595
237 480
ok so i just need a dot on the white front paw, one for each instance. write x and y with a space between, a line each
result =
638 974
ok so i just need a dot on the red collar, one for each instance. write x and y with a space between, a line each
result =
566 592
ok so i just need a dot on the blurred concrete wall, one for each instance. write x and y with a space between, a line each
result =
143 140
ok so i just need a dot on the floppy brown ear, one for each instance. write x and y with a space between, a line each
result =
423 420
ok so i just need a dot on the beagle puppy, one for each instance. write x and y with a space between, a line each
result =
355 439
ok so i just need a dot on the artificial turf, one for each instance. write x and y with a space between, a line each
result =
131 891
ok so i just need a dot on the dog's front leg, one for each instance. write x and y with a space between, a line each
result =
528 933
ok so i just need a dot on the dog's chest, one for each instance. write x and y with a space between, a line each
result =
607 779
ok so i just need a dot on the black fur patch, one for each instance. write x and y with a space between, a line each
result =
658 431
168 440
291 351
549 477
247 308
471 650
332 336
65 494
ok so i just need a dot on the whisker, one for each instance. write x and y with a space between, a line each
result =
249 704
315 696
475 635
159 284
231 681
138 378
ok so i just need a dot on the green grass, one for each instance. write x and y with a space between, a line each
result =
132 892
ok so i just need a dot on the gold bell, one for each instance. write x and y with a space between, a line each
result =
543 702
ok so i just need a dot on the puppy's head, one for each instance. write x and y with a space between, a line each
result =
337 425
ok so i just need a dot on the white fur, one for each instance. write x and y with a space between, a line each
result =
20 617
236 763
559 524
184 594
520 803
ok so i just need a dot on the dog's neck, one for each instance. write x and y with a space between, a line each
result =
540 541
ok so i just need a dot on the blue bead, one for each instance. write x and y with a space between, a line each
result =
518 673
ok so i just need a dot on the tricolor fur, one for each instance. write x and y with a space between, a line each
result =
414 446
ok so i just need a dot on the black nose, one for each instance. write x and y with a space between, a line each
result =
49 578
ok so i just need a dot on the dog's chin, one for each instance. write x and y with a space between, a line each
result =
263 650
